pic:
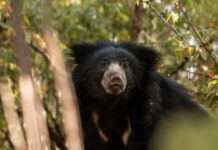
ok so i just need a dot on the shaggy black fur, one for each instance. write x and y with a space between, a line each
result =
147 98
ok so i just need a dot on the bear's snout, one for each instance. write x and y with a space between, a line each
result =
114 80
115 83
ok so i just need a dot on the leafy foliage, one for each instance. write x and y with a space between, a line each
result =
183 59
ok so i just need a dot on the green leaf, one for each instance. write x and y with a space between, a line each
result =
213 82
26 20
137 2
169 16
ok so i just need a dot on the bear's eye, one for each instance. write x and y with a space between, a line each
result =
124 64
104 63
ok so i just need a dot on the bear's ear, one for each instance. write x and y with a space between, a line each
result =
82 50
147 56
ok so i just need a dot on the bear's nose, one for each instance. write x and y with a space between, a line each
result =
115 79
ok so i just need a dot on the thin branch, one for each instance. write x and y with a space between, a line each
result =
52 63
56 135
7 137
179 67
205 31
3 25
178 33
164 34
44 54
198 35
165 21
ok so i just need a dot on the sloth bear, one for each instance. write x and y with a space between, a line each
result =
121 97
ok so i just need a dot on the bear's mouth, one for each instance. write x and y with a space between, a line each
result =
115 88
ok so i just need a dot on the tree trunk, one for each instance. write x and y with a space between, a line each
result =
137 22
34 114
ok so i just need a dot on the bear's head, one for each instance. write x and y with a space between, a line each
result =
112 68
